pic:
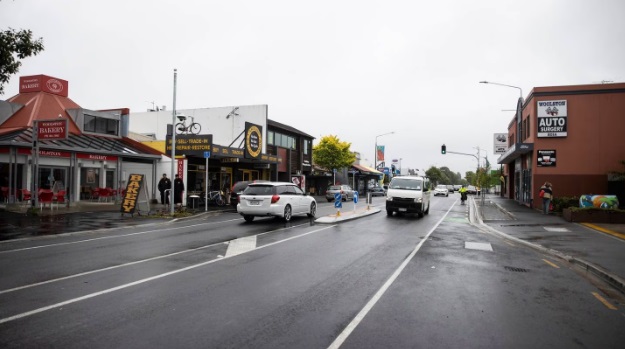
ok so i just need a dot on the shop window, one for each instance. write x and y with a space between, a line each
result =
270 138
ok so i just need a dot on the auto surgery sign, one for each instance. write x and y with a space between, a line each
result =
552 118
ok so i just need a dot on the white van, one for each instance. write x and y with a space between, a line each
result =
408 194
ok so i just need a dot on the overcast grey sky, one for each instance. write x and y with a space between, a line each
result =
354 69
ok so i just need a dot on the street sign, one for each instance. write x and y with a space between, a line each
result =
207 154
355 197
338 200
338 204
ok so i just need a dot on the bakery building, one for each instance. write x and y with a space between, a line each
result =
48 141
570 136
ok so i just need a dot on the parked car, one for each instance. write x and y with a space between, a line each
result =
377 191
346 192
277 199
471 189
457 187
238 188
441 189
450 188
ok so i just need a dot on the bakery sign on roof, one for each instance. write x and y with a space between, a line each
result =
43 83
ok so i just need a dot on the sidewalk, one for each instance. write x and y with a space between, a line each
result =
598 248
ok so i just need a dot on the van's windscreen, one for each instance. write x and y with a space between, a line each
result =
408 184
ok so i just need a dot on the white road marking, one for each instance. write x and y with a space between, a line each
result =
557 229
110 237
95 294
378 295
107 268
241 245
482 246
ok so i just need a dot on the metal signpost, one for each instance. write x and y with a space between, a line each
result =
207 155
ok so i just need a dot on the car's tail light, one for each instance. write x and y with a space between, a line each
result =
342 192
275 199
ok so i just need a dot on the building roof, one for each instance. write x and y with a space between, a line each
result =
366 170
287 128
37 106
83 143
44 98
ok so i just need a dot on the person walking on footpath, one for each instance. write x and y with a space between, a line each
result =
178 189
546 193
164 184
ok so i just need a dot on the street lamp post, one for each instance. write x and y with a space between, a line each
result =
375 161
173 149
518 116
496 83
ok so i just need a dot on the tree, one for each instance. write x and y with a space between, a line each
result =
14 46
435 175
331 153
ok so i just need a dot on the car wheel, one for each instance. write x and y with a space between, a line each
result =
248 218
447 195
287 213
389 213
313 210
329 200
428 210
420 214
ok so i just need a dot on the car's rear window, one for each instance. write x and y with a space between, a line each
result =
259 190
334 187
408 184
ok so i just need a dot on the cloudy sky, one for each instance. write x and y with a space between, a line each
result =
354 69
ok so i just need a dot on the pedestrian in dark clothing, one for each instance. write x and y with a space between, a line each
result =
178 189
164 184
546 193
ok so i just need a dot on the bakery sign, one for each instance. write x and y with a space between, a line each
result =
546 158
55 129
552 118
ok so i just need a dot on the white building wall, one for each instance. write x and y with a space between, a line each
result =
214 121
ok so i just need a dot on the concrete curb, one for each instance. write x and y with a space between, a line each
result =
614 280
346 216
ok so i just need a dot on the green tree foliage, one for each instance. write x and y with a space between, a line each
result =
331 153
470 177
14 46
435 175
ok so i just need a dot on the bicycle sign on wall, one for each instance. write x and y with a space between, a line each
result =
182 127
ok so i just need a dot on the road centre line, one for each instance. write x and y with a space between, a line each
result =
378 295
111 237
155 277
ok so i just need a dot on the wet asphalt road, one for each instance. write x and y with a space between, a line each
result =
20 225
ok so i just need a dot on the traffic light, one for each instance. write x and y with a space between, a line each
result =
443 149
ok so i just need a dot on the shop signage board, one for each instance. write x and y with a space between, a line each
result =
190 145
55 129
546 158
132 197
253 140
500 144
552 118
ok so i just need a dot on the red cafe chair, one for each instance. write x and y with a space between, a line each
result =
46 197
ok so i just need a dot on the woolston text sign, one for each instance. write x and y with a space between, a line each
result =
131 197
55 129
552 118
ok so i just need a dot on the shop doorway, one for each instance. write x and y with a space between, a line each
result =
52 178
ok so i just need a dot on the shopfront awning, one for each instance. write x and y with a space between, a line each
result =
515 151
367 171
